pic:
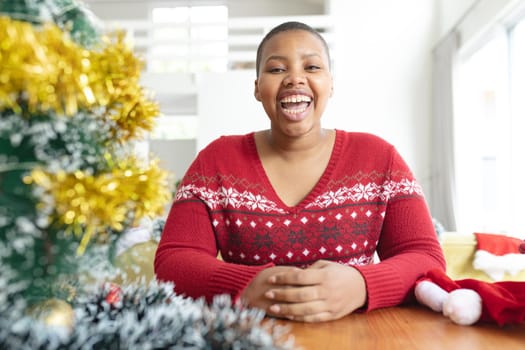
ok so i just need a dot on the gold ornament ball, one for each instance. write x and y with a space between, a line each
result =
54 313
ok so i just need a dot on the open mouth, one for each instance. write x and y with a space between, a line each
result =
295 104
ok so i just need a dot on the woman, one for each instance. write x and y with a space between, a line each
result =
297 211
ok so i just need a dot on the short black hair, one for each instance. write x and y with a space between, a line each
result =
285 27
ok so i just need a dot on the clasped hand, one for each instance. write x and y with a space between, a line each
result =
322 292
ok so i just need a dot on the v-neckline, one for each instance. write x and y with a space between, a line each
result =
316 190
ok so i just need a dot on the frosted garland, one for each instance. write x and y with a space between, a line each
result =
145 317
41 136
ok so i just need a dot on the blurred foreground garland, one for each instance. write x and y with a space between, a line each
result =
144 317
71 108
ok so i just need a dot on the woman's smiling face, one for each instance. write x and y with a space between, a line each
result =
294 82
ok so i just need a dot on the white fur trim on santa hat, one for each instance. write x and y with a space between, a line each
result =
495 266
463 306
430 294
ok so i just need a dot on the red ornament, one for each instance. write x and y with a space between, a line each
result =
114 295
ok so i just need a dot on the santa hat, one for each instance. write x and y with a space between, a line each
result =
497 255
503 302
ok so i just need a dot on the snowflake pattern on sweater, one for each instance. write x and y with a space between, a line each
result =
225 197
341 234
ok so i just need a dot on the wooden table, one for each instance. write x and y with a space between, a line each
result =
403 328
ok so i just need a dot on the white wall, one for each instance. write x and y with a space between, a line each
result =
226 105
243 8
119 9
383 73
174 155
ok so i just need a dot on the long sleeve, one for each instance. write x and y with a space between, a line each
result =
408 247
187 255
189 245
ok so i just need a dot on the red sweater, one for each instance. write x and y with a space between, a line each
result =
366 201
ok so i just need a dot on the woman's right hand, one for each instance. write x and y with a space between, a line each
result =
254 294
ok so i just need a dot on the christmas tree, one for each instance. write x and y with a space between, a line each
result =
71 107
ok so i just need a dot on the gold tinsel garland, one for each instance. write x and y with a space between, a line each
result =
45 70
90 204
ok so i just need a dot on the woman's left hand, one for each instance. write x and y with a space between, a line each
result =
324 291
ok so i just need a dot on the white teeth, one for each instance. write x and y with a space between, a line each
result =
296 98
295 111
